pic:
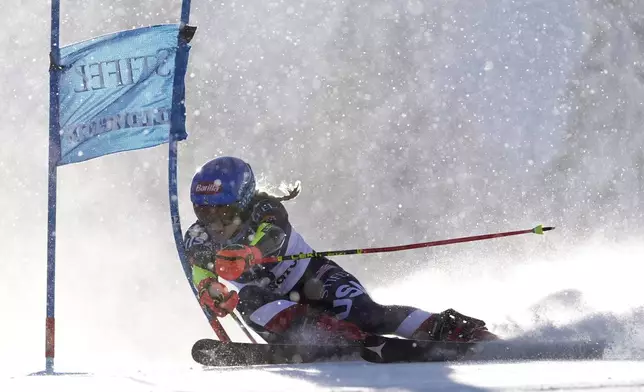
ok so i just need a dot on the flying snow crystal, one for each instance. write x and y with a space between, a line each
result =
489 65
415 7
294 296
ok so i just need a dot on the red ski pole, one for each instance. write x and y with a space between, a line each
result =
219 330
536 230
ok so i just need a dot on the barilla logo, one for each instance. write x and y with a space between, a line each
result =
208 188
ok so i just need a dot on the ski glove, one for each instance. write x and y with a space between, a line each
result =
232 261
215 297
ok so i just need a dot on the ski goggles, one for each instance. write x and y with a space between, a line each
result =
223 215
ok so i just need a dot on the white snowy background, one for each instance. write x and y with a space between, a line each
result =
406 121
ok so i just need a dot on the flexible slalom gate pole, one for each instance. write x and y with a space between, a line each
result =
173 193
536 230
172 188
176 229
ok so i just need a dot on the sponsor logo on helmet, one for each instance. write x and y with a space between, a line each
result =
208 188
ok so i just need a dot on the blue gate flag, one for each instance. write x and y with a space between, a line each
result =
116 92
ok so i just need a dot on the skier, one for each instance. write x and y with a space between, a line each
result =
304 300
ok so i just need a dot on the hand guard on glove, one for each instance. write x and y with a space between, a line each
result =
215 297
232 261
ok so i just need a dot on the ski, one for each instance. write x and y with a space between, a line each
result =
379 349
388 350
210 352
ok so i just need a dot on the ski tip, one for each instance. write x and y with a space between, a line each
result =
540 229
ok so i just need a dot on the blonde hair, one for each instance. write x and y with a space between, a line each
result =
291 190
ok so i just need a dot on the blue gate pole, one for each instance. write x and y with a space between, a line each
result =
54 156
176 119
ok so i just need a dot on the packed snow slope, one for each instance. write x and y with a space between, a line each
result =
406 121
574 376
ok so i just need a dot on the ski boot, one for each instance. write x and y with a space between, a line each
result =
453 326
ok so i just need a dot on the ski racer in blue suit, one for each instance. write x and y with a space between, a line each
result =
304 300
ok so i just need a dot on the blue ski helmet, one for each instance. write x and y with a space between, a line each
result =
223 181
